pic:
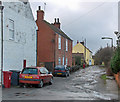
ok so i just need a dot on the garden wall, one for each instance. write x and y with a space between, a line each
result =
117 78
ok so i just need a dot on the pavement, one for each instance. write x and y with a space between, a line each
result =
84 84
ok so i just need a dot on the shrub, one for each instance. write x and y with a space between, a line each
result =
115 62
77 60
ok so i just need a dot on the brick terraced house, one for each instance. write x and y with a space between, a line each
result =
54 47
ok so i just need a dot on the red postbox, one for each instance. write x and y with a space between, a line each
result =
7 79
83 65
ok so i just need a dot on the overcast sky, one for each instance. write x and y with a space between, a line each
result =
79 20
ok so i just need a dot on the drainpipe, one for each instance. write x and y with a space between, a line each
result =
54 49
1 9
36 46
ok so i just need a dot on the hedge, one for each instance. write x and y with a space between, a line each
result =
115 61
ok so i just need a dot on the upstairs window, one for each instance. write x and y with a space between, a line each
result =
59 42
66 45
11 29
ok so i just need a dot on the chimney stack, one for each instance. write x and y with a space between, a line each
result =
82 42
57 23
40 14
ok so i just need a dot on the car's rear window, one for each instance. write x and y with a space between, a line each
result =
59 68
30 71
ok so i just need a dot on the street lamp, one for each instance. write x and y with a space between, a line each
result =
1 11
118 36
110 39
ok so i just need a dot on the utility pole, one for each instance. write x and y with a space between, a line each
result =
44 7
85 48
1 9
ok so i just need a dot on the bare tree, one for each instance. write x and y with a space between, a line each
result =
103 55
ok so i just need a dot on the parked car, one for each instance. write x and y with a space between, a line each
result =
61 70
35 76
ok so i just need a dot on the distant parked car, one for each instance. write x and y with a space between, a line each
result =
61 70
35 76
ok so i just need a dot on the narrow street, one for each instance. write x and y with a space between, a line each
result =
84 84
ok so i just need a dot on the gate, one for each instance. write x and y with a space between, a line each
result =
49 66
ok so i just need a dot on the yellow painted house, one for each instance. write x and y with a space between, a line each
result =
80 48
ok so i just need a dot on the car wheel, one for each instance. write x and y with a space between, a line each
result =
40 84
51 81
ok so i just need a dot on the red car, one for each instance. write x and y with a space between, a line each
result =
35 75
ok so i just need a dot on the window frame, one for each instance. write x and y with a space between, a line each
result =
11 29
59 61
66 61
63 60
66 44
59 42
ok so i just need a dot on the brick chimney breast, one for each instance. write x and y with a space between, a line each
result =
40 14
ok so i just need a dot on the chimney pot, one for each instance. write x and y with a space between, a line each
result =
39 7
58 20
55 20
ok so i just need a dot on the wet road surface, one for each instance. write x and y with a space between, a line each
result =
85 84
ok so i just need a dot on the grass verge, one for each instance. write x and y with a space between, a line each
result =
104 77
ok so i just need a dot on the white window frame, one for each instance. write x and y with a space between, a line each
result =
66 44
59 42
11 29
66 61
63 60
59 61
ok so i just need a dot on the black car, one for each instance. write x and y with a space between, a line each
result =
61 70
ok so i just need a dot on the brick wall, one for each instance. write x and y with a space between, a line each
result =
62 52
45 45
117 78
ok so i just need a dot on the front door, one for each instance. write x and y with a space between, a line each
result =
90 62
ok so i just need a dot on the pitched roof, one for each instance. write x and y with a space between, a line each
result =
86 47
58 31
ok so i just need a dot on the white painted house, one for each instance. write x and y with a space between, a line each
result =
20 31
118 35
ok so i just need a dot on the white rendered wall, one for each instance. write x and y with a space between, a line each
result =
24 44
119 16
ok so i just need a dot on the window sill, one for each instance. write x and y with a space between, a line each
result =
11 39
